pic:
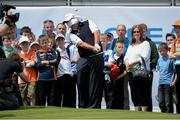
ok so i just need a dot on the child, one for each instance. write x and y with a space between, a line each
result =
26 31
118 93
48 27
28 56
46 65
165 68
108 63
8 49
65 82
34 46
170 39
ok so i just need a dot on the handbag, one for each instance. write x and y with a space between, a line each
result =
140 70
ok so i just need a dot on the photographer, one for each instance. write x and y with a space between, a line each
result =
8 100
7 19
3 29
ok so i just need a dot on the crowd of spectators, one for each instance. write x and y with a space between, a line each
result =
74 54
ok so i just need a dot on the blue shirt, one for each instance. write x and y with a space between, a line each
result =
165 68
108 57
46 73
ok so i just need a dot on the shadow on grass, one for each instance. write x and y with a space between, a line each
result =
31 107
7 115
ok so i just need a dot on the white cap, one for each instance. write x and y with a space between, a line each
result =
23 39
59 36
71 19
72 22
68 17
34 43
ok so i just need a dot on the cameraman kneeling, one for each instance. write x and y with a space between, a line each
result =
8 101
8 18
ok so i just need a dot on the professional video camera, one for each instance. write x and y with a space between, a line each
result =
4 13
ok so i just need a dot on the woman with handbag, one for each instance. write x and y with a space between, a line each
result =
138 53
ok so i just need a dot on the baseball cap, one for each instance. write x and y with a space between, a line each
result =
72 22
68 17
23 39
109 34
34 43
59 36
71 19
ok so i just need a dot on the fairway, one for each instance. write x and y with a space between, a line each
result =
70 113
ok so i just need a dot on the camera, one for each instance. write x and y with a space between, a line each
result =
3 13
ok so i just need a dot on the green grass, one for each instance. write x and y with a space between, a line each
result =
68 113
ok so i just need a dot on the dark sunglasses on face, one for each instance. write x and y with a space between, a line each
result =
177 28
136 31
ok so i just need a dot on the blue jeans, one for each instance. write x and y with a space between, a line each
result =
165 98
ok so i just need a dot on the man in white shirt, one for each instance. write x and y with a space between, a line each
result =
90 65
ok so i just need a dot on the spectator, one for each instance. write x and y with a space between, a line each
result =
121 33
110 37
8 49
48 27
66 91
153 62
26 31
46 64
52 42
34 46
71 49
28 56
118 91
165 68
108 63
170 39
61 28
175 55
138 47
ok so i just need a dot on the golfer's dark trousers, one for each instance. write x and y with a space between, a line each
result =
90 83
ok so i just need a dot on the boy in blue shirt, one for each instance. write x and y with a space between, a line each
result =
108 63
165 68
46 65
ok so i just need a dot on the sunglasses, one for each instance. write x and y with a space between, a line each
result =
177 28
136 31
